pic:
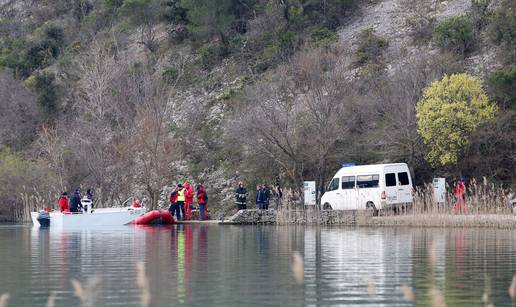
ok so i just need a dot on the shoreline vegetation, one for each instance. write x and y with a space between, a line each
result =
487 206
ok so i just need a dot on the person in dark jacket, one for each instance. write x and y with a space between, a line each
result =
279 196
259 197
89 195
174 206
241 196
75 202
266 196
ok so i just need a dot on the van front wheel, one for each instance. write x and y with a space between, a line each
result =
327 206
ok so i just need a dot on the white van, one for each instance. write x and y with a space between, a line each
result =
378 186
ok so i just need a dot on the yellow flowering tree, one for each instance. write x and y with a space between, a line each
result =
450 110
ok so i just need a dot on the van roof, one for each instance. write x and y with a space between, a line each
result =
366 168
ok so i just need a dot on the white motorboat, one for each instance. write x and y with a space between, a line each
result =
88 218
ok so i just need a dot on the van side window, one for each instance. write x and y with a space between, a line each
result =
368 181
334 184
390 180
348 182
403 178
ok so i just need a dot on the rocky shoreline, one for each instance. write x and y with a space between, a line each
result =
366 218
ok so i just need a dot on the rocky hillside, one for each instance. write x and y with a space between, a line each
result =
130 97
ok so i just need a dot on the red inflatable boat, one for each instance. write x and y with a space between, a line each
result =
155 217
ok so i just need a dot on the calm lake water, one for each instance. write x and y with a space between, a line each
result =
211 265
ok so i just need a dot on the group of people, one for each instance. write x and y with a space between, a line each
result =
182 198
74 204
264 194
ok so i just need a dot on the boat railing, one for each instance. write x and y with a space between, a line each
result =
130 199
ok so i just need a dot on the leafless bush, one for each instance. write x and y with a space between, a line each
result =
87 295
419 17
18 113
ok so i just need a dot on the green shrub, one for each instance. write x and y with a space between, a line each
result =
12 55
19 176
502 84
455 34
503 27
479 14
211 54
173 12
370 47
25 57
323 37
44 85
113 4
449 112
170 75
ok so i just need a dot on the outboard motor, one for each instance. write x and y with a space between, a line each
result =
86 204
44 218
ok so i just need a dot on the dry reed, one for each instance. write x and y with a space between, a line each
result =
481 198
408 293
512 288
4 298
298 268
87 295
436 297
371 286
51 299
143 283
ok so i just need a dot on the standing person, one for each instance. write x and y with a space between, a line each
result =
259 197
89 194
181 198
460 195
202 200
63 203
174 207
266 196
189 195
241 196
75 201
279 194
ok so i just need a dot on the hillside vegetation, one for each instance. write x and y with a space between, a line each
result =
130 97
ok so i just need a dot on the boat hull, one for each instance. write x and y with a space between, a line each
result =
155 217
98 218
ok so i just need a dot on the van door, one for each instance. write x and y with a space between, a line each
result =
391 187
348 192
404 187
368 190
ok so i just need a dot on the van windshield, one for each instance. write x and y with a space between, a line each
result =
334 185
368 181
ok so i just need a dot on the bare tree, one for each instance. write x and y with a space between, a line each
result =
395 102
18 113
328 106
152 141
271 124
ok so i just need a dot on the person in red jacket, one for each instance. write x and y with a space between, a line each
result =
63 203
460 196
189 195
202 200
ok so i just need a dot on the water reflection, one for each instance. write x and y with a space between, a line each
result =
198 265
